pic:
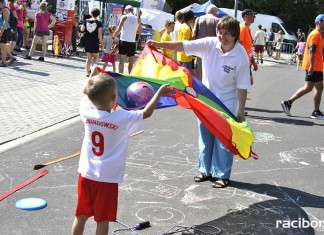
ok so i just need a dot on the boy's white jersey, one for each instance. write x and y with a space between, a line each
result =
105 143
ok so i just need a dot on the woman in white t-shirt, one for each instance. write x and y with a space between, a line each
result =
226 73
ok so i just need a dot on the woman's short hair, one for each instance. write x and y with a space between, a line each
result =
231 25
95 12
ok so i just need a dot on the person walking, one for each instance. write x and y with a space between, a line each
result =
110 46
260 38
205 26
104 150
300 50
20 26
4 35
92 29
42 17
313 64
225 56
13 26
246 38
128 26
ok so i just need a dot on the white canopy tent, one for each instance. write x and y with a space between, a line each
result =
155 18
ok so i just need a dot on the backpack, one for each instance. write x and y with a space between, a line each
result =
13 21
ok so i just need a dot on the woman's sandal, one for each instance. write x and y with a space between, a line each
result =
202 177
221 183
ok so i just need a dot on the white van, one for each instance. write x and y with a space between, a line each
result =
267 21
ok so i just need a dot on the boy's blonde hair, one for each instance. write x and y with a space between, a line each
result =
99 88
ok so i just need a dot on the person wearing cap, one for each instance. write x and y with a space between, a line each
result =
169 28
128 26
313 64
205 26
246 37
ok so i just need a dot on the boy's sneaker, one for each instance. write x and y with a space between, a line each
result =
41 58
317 115
12 60
286 106
27 57
3 65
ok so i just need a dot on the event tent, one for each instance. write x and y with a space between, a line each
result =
135 3
155 18
201 10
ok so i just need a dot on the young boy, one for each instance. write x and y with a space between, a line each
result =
103 155
169 28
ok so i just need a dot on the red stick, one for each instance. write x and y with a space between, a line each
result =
31 180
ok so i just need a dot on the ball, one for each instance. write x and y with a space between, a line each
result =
139 93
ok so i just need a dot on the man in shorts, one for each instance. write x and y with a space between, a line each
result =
128 27
259 40
246 39
313 64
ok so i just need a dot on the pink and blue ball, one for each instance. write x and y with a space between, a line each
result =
139 93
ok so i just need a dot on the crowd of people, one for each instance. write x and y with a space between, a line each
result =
16 28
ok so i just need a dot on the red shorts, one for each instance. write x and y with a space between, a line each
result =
109 58
98 199
258 48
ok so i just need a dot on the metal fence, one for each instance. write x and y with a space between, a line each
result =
281 51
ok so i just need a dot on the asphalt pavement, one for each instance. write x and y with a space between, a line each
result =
280 193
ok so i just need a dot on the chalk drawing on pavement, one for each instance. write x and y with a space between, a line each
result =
194 194
263 137
44 154
302 155
160 214
263 122
154 188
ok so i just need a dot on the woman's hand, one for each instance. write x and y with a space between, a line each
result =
151 43
240 116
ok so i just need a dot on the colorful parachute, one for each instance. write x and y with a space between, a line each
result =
157 69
